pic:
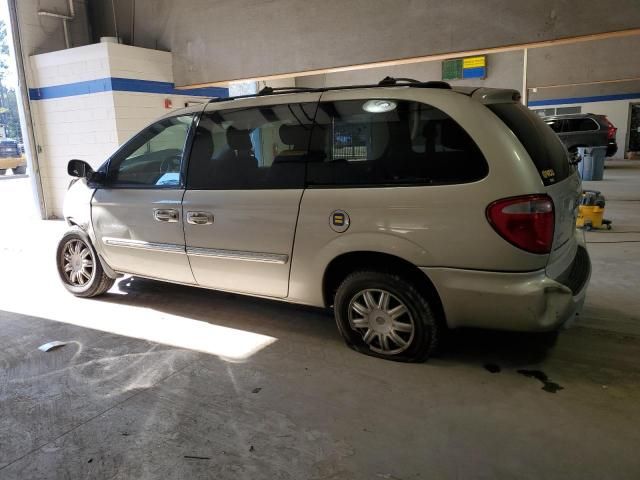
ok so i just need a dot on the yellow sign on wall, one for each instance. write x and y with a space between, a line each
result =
474 62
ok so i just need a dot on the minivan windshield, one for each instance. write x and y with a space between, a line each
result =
541 142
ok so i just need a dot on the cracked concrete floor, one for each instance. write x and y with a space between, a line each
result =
164 381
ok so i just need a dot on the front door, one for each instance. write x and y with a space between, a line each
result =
137 214
244 187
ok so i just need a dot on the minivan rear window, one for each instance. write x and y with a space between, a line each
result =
540 141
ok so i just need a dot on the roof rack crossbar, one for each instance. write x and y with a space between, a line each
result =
269 90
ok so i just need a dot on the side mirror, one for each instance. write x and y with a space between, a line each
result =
79 168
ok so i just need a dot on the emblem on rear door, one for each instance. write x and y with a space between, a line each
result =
339 221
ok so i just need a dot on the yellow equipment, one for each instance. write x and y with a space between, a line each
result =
591 211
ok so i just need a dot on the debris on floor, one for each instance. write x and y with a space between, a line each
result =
47 347
195 457
547 385
492 367
256 390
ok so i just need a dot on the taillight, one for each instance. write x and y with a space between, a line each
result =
526 222
611 130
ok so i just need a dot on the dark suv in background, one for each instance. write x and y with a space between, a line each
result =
584 130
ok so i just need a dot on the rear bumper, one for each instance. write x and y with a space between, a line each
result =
529 301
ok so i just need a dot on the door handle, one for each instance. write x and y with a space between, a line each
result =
199 218
169 215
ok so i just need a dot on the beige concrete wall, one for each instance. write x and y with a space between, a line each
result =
218 40
602 60
504 70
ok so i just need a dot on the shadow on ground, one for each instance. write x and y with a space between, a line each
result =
285 321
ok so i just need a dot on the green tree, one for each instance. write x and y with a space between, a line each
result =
8 101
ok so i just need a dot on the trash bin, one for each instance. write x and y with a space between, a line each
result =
591 167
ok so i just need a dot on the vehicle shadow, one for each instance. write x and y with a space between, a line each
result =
494 348
289 322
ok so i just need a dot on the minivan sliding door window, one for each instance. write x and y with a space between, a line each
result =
252 148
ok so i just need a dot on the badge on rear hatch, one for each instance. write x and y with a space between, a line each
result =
548 174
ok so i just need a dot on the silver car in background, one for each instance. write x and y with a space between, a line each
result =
407 208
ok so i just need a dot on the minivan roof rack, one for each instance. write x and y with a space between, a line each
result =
385 82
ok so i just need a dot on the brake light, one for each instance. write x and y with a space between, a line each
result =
527 222
611 130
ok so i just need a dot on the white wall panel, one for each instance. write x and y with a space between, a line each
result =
91 126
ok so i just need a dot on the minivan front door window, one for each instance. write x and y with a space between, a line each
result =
153 158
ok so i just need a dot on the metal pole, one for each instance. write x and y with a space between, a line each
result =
525 90
65 28
133 23
115 21
24 112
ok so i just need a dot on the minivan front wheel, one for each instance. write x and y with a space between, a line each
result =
79 267
383 315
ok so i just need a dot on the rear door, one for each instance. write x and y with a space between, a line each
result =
559 177
244 187
136 214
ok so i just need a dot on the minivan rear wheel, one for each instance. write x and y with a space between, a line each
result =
79 267
383 315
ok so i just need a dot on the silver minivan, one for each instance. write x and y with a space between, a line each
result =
408 208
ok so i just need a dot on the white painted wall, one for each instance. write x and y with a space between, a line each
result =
617 112
90 127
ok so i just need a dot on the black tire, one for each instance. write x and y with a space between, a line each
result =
419 344
3 171
97 283
20 170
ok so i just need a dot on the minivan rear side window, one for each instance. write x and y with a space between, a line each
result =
384 142
543 145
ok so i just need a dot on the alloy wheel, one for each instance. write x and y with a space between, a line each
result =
77 263
383 321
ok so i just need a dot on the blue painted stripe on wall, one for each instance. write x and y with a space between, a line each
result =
120 85
595 98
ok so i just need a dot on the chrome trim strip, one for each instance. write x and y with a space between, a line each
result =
142 245
279 258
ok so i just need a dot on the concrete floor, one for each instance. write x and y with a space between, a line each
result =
163 381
